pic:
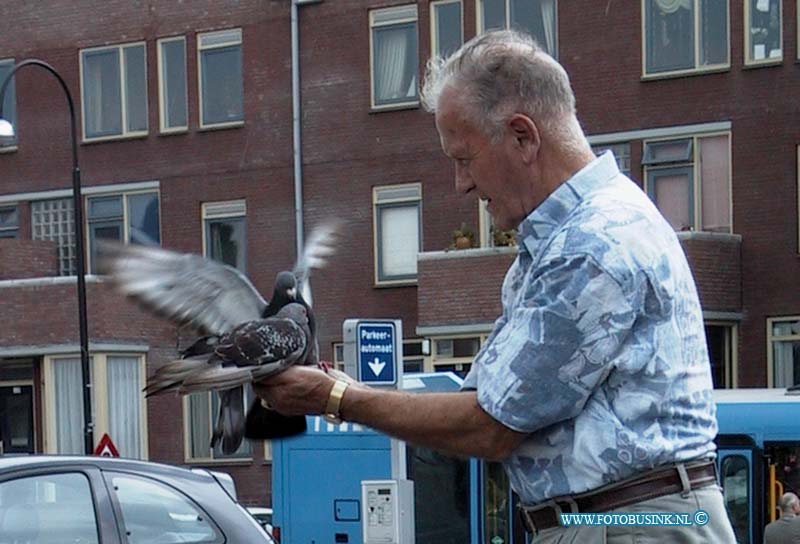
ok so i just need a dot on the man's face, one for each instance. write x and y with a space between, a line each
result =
491 171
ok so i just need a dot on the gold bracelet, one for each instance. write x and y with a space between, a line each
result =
331 414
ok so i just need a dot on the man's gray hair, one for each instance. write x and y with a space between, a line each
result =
788 502
500 73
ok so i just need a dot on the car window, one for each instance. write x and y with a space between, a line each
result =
48 509
154 513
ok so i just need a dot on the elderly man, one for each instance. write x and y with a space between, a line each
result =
594 388
787 529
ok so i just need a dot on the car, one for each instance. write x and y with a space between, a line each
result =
263 516
88 500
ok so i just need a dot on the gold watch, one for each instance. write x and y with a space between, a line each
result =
331 414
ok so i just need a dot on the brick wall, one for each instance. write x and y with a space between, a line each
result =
27 259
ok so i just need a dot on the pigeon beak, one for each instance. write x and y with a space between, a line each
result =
292 293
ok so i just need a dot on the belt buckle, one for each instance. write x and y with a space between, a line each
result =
527 520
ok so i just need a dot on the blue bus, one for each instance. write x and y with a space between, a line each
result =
758 455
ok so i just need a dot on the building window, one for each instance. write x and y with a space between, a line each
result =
455 354
397 215
118 409
721 339
224 232
173 112
9 222
622 154
10 99
338 356
539 18
447 32
219 63
129 218
685 35
53 220
689 180
783 337
114 91
413 356
763 35
203 409
393 36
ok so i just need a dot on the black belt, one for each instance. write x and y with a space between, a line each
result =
650 485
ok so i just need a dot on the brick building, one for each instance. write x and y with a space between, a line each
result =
186 127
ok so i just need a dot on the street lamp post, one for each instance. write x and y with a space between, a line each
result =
7 131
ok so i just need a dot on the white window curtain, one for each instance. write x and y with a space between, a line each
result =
67 391
783 360
394 64
671 6
124 405
548 8
399 240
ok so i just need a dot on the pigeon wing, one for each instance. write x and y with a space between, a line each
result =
264 341
184 288
320 245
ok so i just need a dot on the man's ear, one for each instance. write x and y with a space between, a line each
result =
526 136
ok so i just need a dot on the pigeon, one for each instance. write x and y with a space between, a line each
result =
222 304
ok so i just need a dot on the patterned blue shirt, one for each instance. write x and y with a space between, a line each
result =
600 354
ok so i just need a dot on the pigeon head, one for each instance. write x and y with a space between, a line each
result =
285 286
294 311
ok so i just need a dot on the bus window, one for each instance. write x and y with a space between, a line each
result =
736 490
787 468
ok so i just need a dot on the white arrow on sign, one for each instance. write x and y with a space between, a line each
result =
376 366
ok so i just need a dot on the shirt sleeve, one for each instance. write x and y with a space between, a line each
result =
557 346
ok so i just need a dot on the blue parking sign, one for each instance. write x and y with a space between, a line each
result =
377 354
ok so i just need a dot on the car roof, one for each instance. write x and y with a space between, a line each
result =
11 463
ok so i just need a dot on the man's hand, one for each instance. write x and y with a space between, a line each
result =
298 390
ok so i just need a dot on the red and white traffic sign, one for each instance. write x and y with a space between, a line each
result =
106 447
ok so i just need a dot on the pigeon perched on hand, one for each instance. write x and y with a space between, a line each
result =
222 303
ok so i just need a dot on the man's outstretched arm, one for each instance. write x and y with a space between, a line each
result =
450 422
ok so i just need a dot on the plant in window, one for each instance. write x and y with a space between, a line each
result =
503 238
463 238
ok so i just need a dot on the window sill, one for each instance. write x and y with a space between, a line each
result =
686 73
762 64
221 126
106 139
383 284
9 149
173 132
395 107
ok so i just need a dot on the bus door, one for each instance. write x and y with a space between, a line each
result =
736 477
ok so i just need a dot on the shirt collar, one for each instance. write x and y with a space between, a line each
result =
551 213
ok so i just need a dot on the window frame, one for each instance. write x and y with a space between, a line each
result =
797 175
234 458
99 379
13 229
162 89
434 17
126 234
11 94
771 321
479 24
125 134
377 206
224 209
766 61
433 361
731 362
696 177
200 48
407 104
697 70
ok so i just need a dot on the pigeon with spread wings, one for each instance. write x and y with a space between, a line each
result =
221 302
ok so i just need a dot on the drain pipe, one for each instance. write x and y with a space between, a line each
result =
296 124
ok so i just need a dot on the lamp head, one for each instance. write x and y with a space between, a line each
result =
7 135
